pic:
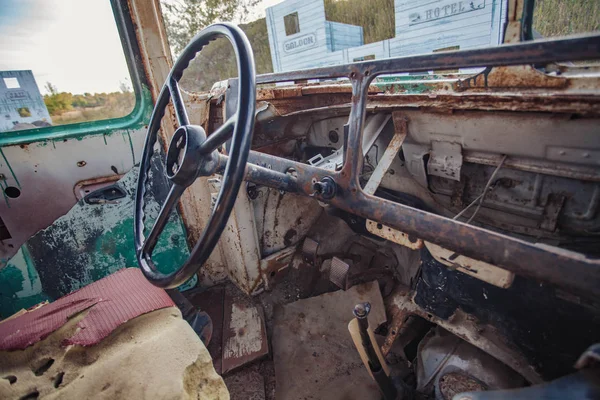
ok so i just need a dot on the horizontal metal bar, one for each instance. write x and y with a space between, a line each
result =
575 48
262 175
559 267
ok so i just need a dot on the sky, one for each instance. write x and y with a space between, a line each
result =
74 44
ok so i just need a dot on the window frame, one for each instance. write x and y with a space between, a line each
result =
295 20
136 119
6 84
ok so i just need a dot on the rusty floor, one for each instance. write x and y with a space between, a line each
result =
314 355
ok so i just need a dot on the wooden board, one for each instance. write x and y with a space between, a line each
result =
244 332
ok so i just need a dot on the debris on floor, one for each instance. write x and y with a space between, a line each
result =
247 383
313 352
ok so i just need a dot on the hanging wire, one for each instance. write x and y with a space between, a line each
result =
481 197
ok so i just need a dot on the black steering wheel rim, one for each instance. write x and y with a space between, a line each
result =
199 156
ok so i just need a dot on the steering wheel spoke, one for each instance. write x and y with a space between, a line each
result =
218 137
191 155
163 217
177 101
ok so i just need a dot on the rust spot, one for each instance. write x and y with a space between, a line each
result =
523 76
453 383
289 236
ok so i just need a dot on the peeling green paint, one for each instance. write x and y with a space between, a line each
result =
20 285
131 147
413 84
83 246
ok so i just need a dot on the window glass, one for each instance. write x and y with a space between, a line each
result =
288 35
61 62
292 24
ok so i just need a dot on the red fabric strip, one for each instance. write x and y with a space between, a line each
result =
113 301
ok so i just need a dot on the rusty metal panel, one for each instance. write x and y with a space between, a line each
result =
465 328
445 160
477 269
394 235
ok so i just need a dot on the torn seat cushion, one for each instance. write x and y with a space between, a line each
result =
119 337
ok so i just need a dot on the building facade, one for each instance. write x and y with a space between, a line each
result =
300 36
20 100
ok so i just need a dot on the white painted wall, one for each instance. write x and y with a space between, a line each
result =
25 94
422 26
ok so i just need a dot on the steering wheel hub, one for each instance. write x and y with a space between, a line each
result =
185 161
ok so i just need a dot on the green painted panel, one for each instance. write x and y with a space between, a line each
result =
87 244
413 84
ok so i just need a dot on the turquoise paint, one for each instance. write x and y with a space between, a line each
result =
412 84
114 250
100 240
20 285
131 147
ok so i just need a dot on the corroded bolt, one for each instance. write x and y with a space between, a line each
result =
361 310
325 188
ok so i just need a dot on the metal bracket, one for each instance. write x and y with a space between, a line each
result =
413 154
335 161
310 248
445 160
338 273
401 127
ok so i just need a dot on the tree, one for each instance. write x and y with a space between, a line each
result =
185 18
51 88
58 103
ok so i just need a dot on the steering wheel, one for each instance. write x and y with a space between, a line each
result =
191 155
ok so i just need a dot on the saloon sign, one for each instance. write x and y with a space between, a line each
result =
444 9
300 43
17 95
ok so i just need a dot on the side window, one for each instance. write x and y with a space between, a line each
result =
292 24
61 62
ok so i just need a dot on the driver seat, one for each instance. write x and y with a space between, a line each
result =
119 337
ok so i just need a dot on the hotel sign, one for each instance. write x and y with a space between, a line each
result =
444 9
300 43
